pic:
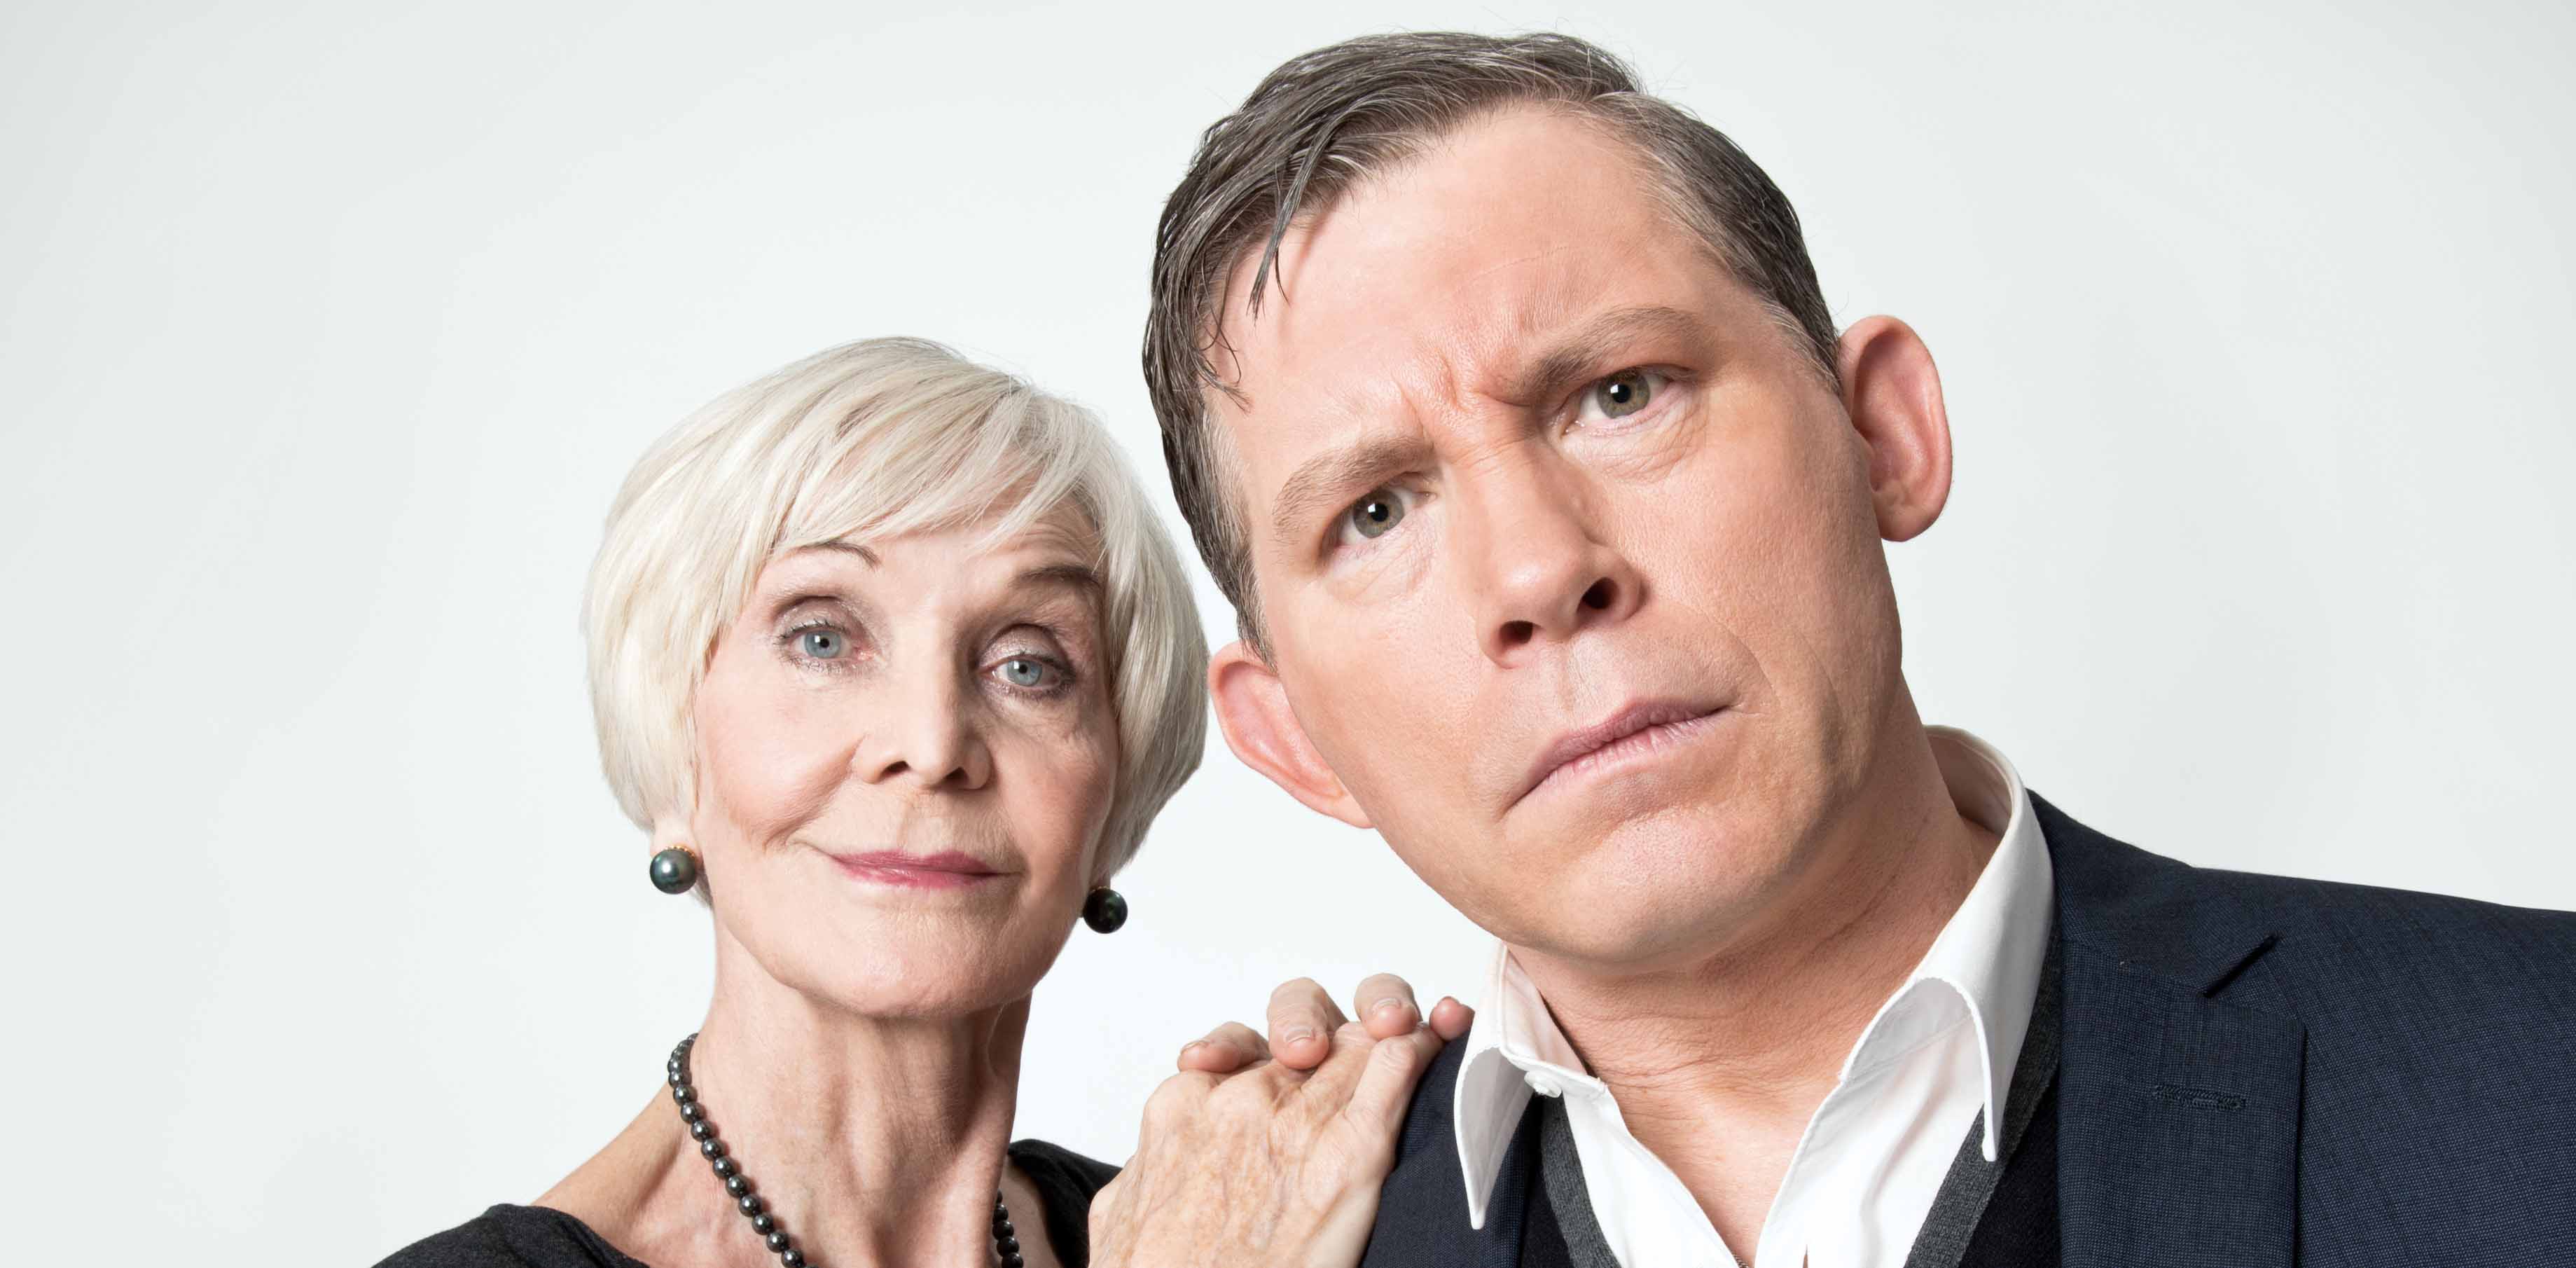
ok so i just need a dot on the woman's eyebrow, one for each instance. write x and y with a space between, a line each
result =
851 547
1078 576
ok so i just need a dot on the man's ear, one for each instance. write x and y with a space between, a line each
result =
1252 709
1893 395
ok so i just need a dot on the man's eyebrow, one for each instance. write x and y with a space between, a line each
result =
1578 356
1323 480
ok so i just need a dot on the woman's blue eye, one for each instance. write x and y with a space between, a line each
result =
1021 671
823 644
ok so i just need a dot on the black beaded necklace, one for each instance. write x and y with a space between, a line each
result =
693 1113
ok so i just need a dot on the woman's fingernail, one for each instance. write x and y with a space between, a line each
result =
1192 1046
1296 1034
1390 1006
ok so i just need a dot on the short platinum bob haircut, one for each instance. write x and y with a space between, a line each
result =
869 441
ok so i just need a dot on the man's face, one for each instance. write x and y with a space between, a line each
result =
1524 469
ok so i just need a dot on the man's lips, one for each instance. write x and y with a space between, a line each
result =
947 870
1633 729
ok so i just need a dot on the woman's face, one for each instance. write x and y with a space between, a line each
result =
905 755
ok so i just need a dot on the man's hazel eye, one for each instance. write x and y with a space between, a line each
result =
1376 513
824 644
1623 393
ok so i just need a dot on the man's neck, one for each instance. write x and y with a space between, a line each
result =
1754 1035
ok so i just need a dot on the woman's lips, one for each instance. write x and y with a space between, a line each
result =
950 870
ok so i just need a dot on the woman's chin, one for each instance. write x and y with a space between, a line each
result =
900 972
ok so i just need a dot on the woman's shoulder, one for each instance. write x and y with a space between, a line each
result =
509 1236
1056 1168
1065 1181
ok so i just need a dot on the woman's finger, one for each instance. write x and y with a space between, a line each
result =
1331 1083
1302 1021
1385 1087
1226 1049
1384 1004
1450 1019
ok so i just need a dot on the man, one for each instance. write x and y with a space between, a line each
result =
1504 405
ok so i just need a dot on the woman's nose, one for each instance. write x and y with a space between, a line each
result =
926 733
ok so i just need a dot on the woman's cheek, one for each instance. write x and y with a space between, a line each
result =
1068 801
771 761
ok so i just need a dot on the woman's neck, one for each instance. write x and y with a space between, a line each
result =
874 1140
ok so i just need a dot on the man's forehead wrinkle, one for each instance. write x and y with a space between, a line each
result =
1527 257
1491 448
1432 387
1404 370
1297 404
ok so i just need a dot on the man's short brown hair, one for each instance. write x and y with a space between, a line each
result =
1324 121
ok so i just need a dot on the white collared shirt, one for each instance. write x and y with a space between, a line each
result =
1876 1151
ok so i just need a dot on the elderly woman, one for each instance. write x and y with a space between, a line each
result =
894 666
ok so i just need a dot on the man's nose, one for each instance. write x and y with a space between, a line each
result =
1540 569
925 731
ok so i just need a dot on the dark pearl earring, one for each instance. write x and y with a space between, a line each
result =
675 870
1104 910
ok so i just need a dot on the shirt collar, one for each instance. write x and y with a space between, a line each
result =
1988 957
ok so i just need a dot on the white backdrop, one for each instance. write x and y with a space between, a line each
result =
326 332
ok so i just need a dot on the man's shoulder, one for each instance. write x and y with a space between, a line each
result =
2398 972
2123 883
2411 1046
1429 1121
2433 926
1422 1216
2355 961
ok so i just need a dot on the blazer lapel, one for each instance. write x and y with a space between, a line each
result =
2178 1110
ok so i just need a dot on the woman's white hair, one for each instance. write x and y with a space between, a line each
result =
868 441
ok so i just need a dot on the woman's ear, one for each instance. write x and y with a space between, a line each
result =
1893 395
1252 709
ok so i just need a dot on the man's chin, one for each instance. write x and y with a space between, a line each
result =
1643 943
1652 893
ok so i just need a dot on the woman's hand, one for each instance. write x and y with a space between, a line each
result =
1303 1018
1247 1159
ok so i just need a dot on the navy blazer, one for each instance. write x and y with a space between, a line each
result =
2254 1071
